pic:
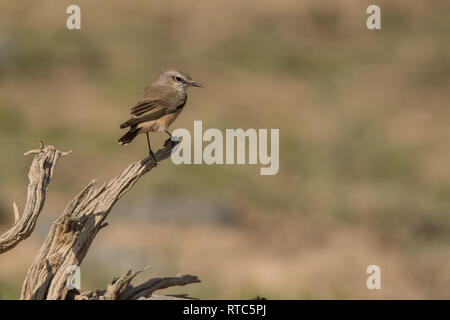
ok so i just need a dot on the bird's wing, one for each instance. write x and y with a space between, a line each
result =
157 101
144 106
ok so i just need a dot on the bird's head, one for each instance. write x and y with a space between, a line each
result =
178 80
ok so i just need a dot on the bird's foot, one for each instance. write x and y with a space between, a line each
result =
152 155
170 140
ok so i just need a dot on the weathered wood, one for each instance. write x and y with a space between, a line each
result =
40 174
121 288
71 236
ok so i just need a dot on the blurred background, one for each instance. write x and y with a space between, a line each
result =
364 142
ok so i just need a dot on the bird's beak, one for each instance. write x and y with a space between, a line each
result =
195 84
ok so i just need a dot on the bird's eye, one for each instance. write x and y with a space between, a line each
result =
178 78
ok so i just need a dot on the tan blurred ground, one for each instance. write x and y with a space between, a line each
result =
364 141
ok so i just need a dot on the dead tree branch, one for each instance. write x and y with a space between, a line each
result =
121 288
40 174
71 236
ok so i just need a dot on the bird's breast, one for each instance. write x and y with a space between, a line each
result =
168 119
160 124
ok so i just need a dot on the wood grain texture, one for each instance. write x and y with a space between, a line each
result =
39 175
122 289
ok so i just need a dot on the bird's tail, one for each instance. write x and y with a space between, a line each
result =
129 136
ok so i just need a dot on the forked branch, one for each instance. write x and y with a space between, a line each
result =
122 289
72 234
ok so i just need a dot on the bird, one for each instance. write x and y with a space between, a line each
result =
161 103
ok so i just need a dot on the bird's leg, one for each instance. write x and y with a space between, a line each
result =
167 131
150 150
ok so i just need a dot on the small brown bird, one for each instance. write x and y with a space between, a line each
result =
161 104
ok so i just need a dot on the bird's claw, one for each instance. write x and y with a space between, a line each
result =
152 155
170 140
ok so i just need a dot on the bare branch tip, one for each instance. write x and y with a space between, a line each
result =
147 267
36 151
64 153
16 213
32 152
